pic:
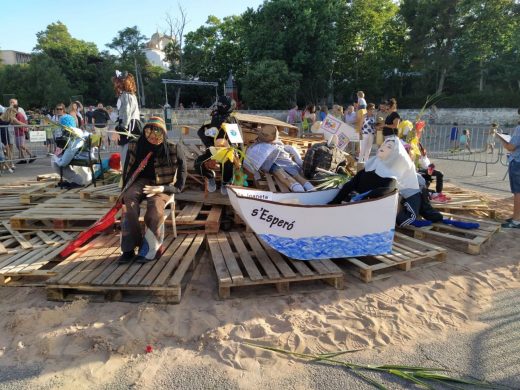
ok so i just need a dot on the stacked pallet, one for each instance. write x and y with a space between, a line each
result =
94 271
67 212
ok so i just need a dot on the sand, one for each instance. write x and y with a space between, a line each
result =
86 344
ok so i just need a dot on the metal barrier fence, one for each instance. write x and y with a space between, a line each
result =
39 142
444 144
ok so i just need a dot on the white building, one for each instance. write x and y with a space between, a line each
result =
154 50
13 57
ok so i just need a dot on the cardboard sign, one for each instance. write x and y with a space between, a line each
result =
233 133
345 133
37 136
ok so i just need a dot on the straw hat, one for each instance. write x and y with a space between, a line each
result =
268 133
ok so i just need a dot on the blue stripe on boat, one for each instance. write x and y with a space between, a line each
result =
330 247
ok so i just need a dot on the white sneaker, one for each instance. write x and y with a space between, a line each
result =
10 170
212 185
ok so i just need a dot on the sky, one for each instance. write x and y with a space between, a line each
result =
99 21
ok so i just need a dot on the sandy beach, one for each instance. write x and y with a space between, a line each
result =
86 344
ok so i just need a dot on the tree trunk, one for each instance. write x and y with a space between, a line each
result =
177 97
440 86
481 81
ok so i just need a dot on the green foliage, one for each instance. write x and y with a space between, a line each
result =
269 84
309 51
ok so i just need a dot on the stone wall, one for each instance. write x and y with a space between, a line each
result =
465 116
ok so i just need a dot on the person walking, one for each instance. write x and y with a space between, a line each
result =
513 147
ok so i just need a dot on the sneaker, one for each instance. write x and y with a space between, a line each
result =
22 162
438 198
223 190
32 159
511 225
10 170
142 260
212 185
126 257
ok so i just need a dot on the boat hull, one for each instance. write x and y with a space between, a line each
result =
309 231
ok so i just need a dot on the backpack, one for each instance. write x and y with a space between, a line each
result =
321 156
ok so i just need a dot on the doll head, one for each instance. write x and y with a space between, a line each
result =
155 130
268 133
386 149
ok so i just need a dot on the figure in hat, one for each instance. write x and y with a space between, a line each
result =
269 154
163 175
213 134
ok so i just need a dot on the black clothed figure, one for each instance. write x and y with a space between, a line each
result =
426 210
221 114
439 179
363 182
389 120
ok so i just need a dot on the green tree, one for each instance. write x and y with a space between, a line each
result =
434 26
71 55
302 34
269 84
129 44
371 37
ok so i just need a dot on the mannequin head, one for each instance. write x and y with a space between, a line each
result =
385 150
268 133
155 130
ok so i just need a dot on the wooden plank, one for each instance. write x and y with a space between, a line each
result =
218 260
230 259
187 261
247 260
261 255
160 271
21 239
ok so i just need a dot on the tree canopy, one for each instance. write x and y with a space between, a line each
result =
319 51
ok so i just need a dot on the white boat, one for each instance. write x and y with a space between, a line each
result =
303 226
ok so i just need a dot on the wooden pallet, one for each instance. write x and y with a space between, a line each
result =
94 271
108 192
66 212
12 241
241 259
26 258
198 218
407 253
38 195
48 177
464 202
207 198
10 205
467 240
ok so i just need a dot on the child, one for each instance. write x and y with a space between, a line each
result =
465 140
368 132
491 139
362 103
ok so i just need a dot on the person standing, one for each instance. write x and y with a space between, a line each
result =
491 139
350 116
454 136
392 120
309 117
292 115
14 103
100 119
17 120
163 175
129 124
513 147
